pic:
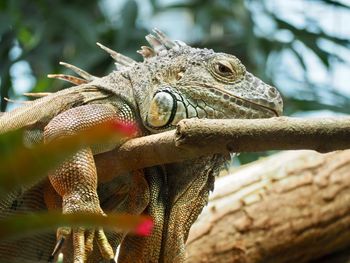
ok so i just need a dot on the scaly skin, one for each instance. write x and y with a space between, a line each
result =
173 82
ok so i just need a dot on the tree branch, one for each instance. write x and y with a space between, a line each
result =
199 137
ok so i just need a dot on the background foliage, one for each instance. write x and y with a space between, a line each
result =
36 35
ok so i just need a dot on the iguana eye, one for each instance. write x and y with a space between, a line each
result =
227 69
224 69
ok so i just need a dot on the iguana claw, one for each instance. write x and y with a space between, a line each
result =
57 249
83 240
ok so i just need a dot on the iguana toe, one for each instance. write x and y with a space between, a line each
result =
79 245
105 248
89 241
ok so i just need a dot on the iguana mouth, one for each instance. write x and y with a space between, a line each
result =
276 111
258 105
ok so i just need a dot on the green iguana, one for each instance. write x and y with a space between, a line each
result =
174 82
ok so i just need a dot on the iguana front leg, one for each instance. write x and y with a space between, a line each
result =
76 179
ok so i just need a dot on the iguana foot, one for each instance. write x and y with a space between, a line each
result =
83 240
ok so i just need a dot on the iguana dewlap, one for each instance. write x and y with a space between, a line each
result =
174 82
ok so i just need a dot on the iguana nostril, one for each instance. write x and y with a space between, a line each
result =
272 91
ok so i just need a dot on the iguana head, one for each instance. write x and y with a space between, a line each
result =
176 81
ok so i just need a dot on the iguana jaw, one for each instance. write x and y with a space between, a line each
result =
275 108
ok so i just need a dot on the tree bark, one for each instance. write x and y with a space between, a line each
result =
291 207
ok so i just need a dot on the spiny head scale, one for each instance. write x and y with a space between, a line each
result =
160 45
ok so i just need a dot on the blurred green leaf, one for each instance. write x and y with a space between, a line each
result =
23 166
310 39
300 58
129 13
336 3
23 225
300 105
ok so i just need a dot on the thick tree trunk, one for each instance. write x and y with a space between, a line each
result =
291 207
